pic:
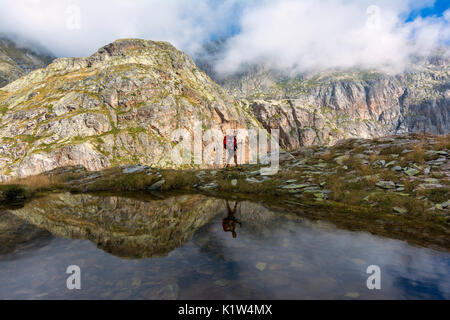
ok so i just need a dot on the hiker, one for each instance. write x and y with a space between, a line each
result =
230 144
229 222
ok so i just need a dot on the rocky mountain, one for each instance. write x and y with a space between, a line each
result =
121 105
323 108
16 61
118 106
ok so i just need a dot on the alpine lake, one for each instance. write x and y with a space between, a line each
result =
194 246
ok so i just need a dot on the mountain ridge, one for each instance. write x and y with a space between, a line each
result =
325 107
118 106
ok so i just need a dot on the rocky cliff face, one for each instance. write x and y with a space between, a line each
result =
16 61
329 106
121 105
118 106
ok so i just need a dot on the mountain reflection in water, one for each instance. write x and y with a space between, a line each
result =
198 247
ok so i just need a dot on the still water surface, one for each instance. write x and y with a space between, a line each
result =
195 247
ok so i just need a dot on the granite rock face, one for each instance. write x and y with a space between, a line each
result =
118 106
17 61
323 108
359 105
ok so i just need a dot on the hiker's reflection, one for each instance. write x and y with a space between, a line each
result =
230 221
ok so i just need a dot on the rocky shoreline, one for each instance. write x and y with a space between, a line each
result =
403 181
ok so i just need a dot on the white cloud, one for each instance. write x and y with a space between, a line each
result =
313 35
186 24
447 15
303 34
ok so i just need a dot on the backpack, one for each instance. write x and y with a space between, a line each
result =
225 141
